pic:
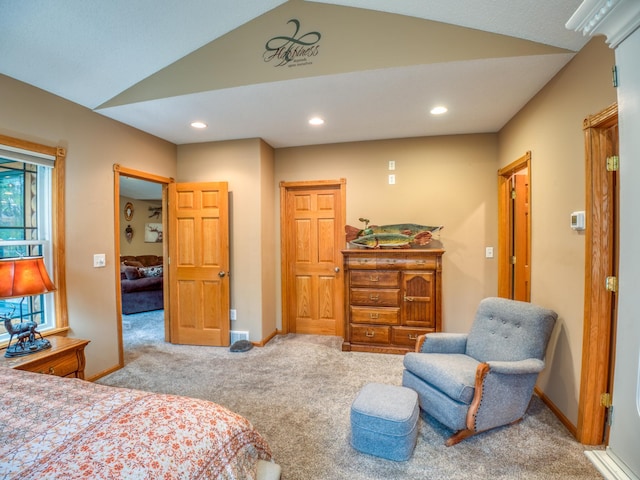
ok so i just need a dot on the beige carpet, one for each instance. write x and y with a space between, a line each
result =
297 391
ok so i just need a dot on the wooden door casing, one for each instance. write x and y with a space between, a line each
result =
601 261
199 263
312 217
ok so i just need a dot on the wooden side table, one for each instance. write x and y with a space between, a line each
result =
65 358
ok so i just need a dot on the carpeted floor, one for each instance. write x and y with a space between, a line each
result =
297 391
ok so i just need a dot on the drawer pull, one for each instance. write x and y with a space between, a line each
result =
52 371
374 278
408 299
369 333
413 336
374 297
374 316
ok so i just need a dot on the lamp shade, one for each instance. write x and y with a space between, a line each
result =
22 277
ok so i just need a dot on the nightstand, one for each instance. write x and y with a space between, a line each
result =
65 358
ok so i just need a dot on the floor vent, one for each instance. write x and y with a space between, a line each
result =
238 335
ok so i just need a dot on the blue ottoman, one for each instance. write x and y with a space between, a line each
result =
384 421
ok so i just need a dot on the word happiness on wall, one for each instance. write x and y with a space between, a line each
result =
292 51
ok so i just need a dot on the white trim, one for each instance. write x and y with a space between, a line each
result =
609 467
616 19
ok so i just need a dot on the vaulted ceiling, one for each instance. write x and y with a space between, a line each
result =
372 69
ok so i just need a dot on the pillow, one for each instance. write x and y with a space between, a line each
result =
131 273
150 271
133 263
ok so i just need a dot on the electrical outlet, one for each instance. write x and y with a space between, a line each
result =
232 314
392 164
488 252
99 260
392 179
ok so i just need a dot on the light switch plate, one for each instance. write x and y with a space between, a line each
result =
99 260
488 252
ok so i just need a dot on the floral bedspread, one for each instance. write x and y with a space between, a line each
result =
52 428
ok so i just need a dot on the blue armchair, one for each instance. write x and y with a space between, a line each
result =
484 379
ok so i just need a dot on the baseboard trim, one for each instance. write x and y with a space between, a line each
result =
556 411
267 339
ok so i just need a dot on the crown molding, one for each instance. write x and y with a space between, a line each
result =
616 19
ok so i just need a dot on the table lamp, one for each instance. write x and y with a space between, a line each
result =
23 277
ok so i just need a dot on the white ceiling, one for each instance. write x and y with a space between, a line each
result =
89 51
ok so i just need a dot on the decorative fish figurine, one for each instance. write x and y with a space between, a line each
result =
410 229
383 240
394 235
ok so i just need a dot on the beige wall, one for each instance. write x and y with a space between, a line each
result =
247 167
550 125
450 181
138 246
94 143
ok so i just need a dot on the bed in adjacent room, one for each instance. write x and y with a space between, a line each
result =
69 428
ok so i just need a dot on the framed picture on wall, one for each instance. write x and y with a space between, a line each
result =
153 232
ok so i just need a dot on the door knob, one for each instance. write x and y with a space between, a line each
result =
221 273
336 269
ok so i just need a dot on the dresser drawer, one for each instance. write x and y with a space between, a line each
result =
390 262
359 262
370 334
428 263
61 366
375 279
375 297
407 336
383 315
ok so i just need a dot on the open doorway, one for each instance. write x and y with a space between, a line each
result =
141 248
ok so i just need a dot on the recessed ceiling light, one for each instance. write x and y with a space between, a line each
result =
438 110
198 125
316 121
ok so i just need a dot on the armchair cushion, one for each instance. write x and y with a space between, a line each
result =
452 374
508 330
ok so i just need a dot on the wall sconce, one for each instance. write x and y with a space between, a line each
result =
128 233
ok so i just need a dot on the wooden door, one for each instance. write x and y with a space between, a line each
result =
514 230
199 263
312 217
521 287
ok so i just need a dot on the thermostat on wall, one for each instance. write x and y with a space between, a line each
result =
577 220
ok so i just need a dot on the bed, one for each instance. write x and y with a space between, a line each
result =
69 428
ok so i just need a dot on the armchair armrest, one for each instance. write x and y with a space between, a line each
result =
520 367
441 342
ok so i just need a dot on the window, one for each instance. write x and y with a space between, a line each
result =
30 225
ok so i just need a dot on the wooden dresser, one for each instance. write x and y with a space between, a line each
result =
391 297
65 358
